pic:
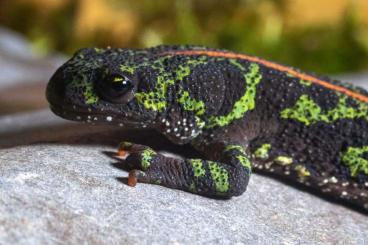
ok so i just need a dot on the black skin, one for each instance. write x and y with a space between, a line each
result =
107 86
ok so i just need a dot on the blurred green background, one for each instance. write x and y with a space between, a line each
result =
324 36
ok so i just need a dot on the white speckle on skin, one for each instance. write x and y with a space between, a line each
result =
168 131
179 122
175 129
268 165
186 129
89 109
345 184
163 120
121 125
95 118
344 193
79 118
109 118
167 124
333 180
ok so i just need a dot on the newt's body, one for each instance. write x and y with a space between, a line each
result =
239 111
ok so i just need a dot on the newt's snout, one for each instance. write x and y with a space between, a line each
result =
55 91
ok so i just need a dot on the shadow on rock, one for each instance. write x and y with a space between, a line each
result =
83 134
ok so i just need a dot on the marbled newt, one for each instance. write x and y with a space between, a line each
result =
240 112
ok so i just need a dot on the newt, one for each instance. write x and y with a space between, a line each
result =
241 112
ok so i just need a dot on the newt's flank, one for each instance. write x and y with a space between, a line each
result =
241 112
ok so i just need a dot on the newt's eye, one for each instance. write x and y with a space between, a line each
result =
115 88
120 84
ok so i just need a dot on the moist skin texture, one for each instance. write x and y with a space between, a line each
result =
241 112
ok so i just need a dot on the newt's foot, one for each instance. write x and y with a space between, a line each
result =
208 178
139 156
122 153
136 175
123 149
143 161
132 179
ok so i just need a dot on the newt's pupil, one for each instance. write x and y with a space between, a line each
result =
119 84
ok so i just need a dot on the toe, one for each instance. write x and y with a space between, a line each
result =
135 176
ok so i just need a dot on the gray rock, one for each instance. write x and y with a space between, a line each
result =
73 194
66 189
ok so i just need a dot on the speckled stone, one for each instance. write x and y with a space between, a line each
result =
67 189
70 193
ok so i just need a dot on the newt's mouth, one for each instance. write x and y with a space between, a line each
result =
82 114
77 114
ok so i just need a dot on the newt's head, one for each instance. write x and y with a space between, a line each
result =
100 85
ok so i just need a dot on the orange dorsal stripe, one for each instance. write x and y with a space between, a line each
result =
272 65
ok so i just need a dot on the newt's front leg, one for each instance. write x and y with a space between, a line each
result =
226 177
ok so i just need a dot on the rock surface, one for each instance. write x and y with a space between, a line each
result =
71 191
59 183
